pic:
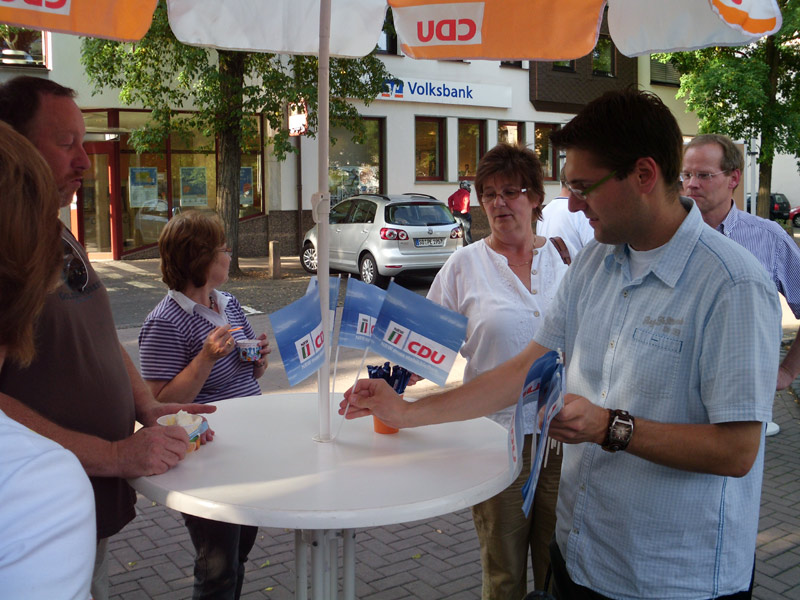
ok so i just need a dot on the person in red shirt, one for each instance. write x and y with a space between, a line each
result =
458 203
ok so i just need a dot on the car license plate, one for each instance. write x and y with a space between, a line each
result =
428 242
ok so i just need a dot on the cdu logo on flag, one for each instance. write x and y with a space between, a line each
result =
298 332
398 334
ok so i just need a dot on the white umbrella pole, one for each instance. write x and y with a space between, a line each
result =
323 211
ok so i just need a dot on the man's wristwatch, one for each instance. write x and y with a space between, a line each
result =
620 431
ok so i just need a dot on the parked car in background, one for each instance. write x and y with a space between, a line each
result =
378 236
779 206
794 216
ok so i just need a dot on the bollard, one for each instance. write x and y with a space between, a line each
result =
275 260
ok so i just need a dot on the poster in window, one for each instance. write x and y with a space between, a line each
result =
142 186
246 186
193 186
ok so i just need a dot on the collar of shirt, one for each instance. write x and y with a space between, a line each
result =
671 263
191 307
730 220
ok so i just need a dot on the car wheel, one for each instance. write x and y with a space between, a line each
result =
368 269
796 220
309 258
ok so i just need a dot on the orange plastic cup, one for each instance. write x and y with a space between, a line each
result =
381 427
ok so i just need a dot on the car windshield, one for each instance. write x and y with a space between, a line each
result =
418 213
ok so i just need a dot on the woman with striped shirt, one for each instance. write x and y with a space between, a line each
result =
187 349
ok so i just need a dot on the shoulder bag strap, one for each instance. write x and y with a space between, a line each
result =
562 249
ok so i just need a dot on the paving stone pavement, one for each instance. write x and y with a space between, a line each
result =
435 559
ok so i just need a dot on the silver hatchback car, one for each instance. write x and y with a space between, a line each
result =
378 236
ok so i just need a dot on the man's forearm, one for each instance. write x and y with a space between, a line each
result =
484 395
790 367
143 398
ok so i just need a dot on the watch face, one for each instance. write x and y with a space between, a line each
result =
620 431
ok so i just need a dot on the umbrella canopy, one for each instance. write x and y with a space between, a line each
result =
435 29
438 29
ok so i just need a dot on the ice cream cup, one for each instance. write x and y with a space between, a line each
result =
249 350
193 428
381 427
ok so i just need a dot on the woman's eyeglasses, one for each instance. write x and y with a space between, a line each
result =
75 273
508 195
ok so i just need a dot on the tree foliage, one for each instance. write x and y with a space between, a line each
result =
749 92
222 88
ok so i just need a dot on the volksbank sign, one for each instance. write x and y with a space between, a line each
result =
447 92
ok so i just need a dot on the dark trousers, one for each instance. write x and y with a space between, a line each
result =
566 589
221 553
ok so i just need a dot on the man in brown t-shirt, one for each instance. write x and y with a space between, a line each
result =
82 390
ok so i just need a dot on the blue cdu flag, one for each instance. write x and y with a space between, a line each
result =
362 304
418 334
301 341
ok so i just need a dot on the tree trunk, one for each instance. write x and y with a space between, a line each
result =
231 70
768 133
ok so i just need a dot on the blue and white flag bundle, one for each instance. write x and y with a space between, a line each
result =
418 334
544 386
362 305
298 332
332 301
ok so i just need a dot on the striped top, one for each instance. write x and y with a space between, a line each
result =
773 248
174 333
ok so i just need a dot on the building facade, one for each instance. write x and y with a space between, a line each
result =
425 133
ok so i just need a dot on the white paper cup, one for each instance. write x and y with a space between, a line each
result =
249 350
193 430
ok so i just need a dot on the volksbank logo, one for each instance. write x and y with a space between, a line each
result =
427 89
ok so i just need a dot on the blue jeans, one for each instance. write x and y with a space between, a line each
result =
221 553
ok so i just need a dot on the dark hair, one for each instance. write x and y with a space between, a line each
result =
620 127
731 155
20 99
188 245
513 162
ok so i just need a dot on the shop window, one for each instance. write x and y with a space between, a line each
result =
664 73
471 146
429 149
356 167
547 155
23 47
511 63
510 132
564 65
143 184
603 63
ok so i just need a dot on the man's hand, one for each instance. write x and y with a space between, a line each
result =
150 451
158 409
374 397
579 421
785 378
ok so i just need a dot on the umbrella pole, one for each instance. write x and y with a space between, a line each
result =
322 211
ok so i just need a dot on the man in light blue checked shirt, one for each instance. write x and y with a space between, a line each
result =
712 170
671 334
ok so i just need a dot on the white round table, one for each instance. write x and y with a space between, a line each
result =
263 468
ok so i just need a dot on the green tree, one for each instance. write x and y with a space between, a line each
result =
223 88
749 92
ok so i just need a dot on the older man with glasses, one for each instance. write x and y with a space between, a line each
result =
712 170
82 390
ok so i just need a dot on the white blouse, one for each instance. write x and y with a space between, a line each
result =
502 314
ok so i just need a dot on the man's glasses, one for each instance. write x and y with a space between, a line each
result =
75 273
685 176
582 194
507 195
